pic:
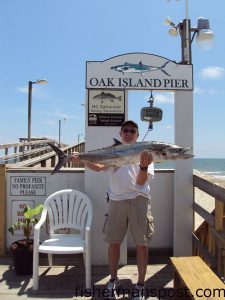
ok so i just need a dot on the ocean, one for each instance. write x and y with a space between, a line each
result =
211 166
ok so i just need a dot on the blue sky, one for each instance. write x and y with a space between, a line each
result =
53 39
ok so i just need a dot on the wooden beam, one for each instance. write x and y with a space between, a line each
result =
204 251
2 208
210 219
196 276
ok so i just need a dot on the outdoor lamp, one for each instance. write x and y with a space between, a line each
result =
173 30
30 84
41 81
205 35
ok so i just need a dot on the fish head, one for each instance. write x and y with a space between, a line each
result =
163 151
177 153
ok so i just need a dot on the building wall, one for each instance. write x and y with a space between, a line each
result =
161 190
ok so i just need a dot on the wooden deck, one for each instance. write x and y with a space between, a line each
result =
66 280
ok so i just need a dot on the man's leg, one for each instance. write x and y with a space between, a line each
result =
142 262
113 258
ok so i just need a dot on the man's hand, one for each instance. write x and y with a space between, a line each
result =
75 158
146 159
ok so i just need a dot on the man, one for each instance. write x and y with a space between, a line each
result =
129 195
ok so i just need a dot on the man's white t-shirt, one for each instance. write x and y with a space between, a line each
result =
122 182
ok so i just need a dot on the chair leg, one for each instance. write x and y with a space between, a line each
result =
35 269
88 269
50 260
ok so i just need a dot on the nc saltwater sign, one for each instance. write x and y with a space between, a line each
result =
138 71
106 108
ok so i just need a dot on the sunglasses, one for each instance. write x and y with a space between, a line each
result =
129 130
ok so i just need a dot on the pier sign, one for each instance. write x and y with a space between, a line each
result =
138 71
27 186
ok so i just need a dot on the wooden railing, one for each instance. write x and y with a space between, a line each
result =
209 237
18 152
50 158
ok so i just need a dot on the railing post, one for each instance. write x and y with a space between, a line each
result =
219 217
2 208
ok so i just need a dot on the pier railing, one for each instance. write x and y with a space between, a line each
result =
17 152
38 153
209 237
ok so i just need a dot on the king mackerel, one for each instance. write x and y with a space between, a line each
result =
121 154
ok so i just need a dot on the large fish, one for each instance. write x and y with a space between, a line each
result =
121 154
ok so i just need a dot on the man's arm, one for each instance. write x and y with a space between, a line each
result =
94 167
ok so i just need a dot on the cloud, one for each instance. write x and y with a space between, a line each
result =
49 122
213 92
198 90
162 98
165 98
37 92
167 127
64 115
212 72
23 89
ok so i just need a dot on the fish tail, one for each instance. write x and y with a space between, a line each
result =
61 156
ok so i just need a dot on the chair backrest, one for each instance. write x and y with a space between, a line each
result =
68 209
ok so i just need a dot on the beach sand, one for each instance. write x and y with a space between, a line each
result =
206 201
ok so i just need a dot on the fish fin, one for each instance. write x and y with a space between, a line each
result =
116 142
165 72
62 158
163 66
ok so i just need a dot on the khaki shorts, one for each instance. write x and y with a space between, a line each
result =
135 212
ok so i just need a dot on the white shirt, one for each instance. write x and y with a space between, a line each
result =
122 182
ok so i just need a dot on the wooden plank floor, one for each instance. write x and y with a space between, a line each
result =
66 280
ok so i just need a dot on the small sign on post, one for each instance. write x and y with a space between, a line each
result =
106 108
18 207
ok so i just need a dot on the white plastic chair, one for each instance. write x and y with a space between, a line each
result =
65 209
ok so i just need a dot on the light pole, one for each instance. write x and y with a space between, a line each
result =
30 84
60 131
204 36
78 137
